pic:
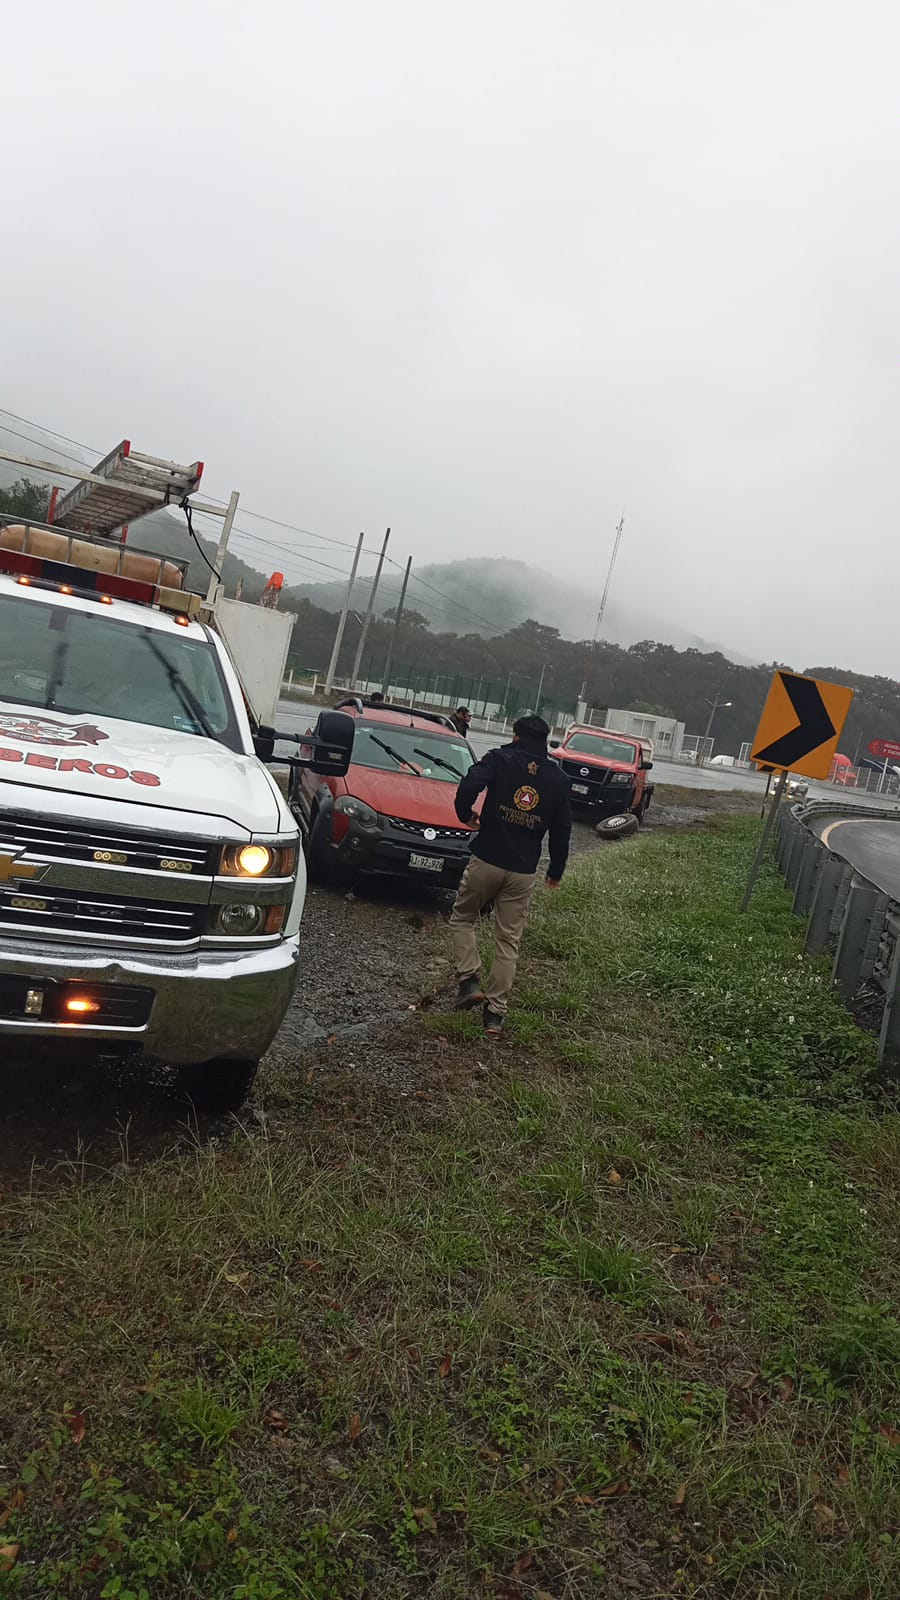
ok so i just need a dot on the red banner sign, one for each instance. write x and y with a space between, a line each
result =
885 749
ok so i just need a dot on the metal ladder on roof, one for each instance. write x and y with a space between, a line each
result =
132 485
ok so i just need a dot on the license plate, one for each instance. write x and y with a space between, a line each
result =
580 788
427 863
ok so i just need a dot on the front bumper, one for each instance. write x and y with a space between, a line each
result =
205 1004
609 800
389 851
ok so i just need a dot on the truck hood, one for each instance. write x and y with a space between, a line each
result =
114 760
415 799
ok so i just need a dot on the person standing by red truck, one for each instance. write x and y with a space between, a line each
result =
526 797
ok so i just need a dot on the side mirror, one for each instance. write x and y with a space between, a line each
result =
264 742
646 766
330 744
555 744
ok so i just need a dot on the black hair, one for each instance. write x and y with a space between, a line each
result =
533 729
463 711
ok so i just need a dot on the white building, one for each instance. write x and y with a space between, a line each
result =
665 733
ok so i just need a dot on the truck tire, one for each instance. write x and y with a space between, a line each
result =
218 1085
620 827
318 867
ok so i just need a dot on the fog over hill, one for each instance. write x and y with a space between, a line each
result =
483 594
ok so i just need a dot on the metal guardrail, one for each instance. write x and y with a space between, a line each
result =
850 918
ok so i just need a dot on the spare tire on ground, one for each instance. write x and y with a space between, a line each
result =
621 827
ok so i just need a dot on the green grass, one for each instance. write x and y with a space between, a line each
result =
617 1316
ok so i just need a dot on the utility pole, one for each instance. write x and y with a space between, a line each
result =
395 630
368 616
215 578
339 635
714 706
605 596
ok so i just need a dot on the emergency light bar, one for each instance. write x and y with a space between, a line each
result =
37 554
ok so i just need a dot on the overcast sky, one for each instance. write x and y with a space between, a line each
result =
488 271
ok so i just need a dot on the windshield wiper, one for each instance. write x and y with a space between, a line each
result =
439 762
56 671
401 760
183 690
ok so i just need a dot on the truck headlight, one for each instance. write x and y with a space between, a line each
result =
258 861
254 859
244 920
621 777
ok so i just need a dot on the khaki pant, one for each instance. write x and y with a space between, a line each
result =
511 893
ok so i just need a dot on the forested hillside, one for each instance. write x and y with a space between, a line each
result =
508 666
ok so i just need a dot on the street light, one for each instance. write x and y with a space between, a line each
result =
714 706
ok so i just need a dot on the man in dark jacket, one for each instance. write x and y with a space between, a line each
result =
527 796
461 718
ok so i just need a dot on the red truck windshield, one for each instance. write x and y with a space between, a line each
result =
419 754
601 747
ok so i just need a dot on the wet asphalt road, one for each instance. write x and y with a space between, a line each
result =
870 845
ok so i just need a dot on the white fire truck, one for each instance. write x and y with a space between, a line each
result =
151 876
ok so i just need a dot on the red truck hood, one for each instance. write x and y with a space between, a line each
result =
415 799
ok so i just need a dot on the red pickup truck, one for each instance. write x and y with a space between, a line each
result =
608 773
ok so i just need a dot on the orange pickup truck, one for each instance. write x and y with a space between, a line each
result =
608 772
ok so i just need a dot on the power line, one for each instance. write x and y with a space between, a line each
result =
273 544
457 603
293 527
306 560
50 432
387 590
260 516
29 440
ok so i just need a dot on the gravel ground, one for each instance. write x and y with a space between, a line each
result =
351 1013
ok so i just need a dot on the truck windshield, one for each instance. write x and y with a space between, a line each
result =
411 751
601 747
85 664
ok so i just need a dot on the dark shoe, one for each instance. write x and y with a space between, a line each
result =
469 994
493 1020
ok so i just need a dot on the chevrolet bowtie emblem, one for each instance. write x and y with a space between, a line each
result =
13 868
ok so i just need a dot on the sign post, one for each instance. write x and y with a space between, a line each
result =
764 838
798 731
